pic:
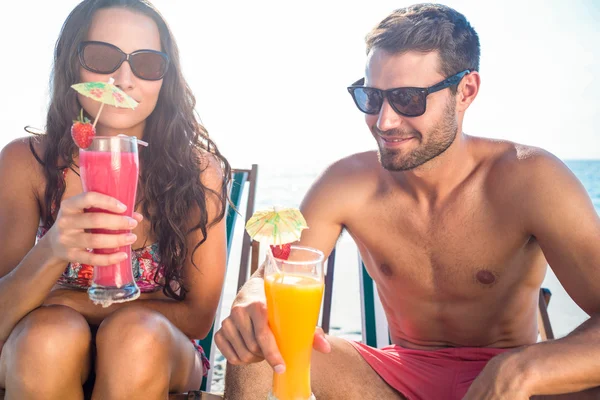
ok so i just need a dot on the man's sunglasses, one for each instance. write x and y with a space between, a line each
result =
105 58
406 101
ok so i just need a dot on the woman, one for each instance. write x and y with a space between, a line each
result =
52 338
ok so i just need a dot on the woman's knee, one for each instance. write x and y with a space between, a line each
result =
49 341
136 340
134 329
50 332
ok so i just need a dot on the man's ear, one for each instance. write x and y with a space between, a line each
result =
467 90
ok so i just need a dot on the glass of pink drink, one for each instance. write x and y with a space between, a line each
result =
110 166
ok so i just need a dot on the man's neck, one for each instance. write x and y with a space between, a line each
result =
433 181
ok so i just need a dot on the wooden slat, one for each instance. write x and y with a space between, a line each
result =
544 325
196 396
327 297
255 254
246 244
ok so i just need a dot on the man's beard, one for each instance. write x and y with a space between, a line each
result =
439 138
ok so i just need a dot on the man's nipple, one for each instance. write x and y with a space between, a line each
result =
485 277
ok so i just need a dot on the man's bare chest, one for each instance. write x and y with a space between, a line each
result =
462 249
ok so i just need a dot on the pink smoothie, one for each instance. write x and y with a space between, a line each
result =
116 175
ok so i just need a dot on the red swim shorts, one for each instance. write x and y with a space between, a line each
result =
428 374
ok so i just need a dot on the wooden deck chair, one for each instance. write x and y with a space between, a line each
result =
239 179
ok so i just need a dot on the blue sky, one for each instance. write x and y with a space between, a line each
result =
270 76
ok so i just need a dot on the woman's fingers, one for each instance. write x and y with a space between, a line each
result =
88 200
85 257
137 216
102 241
97 220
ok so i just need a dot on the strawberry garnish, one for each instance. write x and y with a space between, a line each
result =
281 251
82 131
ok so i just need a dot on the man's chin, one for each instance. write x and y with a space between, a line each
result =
394 162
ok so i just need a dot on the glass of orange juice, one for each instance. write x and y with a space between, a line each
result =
294 289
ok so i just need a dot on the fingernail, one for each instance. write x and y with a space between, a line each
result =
131 237
121 206
132 222
279 369
122 256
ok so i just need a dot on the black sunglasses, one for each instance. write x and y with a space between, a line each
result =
105 58
406 101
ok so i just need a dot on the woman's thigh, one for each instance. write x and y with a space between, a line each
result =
137 341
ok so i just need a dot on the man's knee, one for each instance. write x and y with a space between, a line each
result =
248 381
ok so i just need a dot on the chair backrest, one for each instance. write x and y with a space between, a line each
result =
239 179
375 330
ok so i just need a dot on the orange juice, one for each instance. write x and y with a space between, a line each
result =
293 303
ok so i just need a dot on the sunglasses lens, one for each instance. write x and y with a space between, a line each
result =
148 65
368 100
100 58
409 102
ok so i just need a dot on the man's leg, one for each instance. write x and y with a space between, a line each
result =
590 394
341 374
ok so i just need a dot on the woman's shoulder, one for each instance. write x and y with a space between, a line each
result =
24 152
211 168
21 159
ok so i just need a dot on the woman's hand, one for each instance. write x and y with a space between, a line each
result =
70 236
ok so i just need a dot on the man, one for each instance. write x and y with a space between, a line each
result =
455 230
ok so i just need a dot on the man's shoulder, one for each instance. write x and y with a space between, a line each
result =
520 160
347 180
354 167
516 169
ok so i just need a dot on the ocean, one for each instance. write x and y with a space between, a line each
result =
283 186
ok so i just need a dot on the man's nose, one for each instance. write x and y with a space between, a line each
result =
388 119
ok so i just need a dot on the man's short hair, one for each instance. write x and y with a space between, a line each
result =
426 28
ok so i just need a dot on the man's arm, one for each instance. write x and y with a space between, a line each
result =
245 337
558 212
567 227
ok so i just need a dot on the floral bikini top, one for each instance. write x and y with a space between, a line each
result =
145 262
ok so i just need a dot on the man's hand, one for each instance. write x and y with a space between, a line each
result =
245 336
501 379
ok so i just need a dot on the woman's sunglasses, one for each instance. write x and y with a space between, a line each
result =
406 101
105 58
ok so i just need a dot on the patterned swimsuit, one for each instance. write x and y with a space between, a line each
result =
146 265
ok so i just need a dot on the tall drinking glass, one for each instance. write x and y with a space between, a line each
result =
294 289
110 166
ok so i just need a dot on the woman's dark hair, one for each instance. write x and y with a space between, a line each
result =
170 186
